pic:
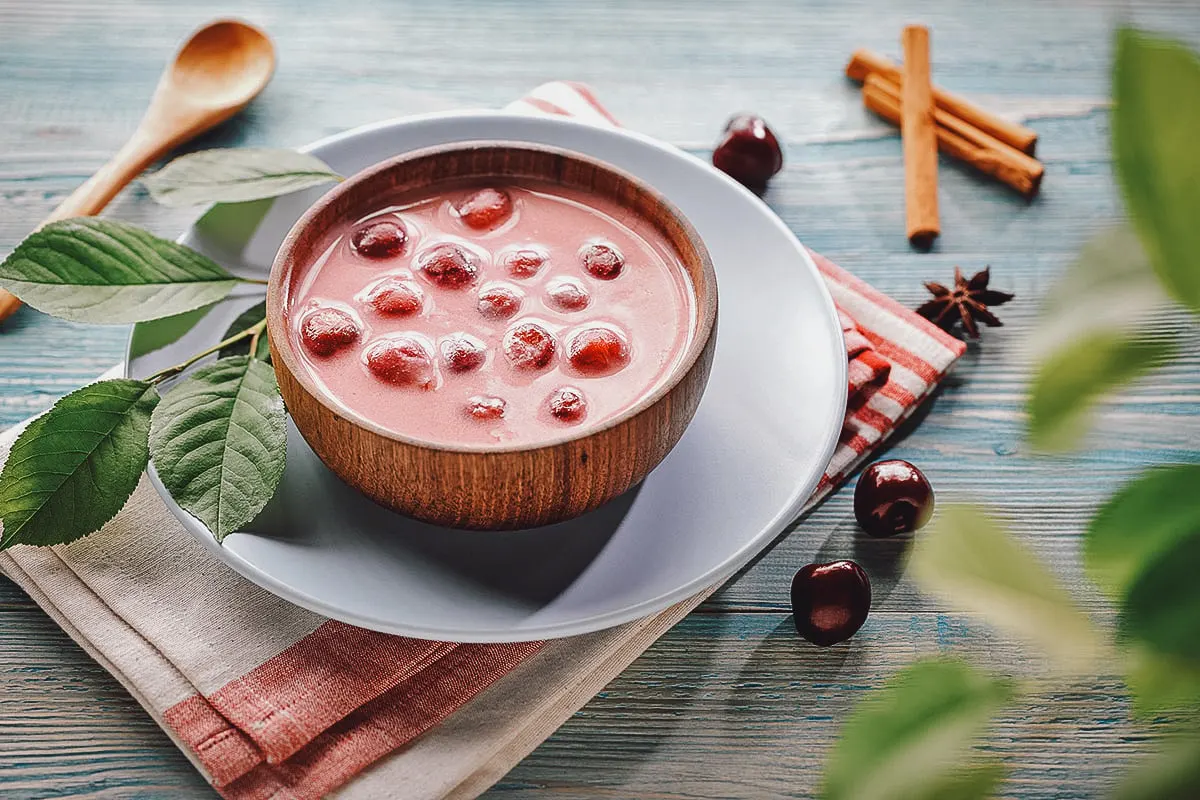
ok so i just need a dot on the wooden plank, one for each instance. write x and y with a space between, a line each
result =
737 706
725 705
67 728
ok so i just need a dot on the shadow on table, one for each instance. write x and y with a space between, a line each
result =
657 690
786 678
883 559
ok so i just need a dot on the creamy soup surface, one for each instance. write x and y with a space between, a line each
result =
492 314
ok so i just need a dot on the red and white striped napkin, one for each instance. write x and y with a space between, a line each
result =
272 702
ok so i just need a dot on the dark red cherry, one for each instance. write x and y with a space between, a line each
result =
396 297
402 361
567 404
499 302
379 239
749 152
449 265
484 408
529 346
597 351
485 209
462 353
892 497
830 601
327 330
604 261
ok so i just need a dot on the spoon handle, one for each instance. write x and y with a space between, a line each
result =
98 191
8 304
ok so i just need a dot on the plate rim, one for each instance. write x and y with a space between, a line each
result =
787 512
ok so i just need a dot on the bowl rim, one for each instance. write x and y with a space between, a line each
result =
284 355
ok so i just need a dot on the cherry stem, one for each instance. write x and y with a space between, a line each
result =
258 281
254 343
170 372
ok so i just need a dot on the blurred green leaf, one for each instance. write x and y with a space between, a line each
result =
1143 547
977 566
1072 379
1156 114
1109 286
1173 774
1148 517
1161 684
1162 605
1089 337
908 741
969 782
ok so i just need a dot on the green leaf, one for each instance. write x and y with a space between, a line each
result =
1071 380
1089 337
236 175
156 334
1156 113
1143 522
1162 605
1173 774
93 270
248 318
219 442
1109 286
1161 684
74 467
979 567
908 740
968 782
1143 546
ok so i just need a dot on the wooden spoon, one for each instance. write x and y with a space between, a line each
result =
214 75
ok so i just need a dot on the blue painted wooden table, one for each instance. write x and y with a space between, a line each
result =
730 703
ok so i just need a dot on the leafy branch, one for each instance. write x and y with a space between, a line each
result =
218 437
253 333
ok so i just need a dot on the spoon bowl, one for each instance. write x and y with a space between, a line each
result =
222 66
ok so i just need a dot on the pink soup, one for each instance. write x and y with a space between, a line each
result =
506 314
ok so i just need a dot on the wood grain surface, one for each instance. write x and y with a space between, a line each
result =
729 704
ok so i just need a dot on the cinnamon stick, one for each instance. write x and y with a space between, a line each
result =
920 139
864 63
962 140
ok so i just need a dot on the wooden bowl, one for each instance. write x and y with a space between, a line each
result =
483 486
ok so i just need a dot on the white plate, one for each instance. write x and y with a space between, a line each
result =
759 443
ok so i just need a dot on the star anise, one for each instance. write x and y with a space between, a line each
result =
968 301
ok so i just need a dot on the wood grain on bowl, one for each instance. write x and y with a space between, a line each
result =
484 486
